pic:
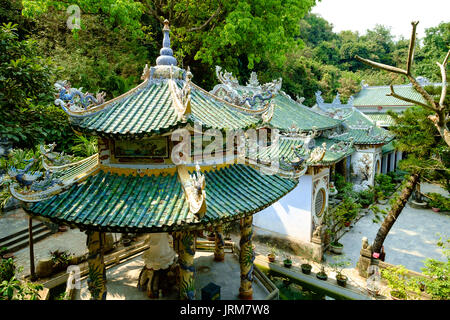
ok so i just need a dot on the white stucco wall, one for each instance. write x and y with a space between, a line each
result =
374 155
292 215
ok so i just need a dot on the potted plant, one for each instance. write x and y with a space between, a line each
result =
438 202
336 247
60 259
322 275
287 262
7 269
63 228
332 190
126 239
339 264
400 284
366 198
306 268
272 255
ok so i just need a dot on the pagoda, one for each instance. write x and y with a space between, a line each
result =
146 179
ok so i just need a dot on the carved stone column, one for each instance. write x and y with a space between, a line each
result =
246 258
219 253
97 271
158 260
186 252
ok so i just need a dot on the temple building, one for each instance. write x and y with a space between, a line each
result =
146 179
339 139
375 101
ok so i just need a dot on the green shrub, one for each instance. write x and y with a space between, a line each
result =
346 211
14 289
438 283
383 184
400 283
7 269
436 200
366 197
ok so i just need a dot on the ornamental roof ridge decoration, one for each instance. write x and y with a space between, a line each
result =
166 57
77 112
342 146
36 186
194 189
253 81
73 99
242 109
181 97
337 104
226 78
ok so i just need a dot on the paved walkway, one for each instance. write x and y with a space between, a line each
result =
122 279
72 240
411 240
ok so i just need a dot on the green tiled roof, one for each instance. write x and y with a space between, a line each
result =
382 119
377 96
149 111
119 203
288 112
388 147
286 145
357 120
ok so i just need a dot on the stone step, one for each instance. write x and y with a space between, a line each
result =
20 240
15 234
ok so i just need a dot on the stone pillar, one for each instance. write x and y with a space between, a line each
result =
97 271
219 253
398 158
384 164
186 252
393 161
246 258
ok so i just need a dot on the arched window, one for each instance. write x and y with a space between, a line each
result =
319 202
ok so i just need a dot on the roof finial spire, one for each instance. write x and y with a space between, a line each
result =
166 57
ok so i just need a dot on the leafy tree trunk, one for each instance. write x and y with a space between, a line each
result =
394 212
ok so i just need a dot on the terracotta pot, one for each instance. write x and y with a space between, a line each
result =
435 209
8 255
63 228
271 257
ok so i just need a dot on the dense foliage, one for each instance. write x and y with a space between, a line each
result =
276 38
437 284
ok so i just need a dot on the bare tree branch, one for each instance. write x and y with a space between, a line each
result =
432 104
215 14
444 79
381 66
412 43
441 115
395 95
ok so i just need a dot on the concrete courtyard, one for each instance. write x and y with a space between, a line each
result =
411 240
